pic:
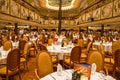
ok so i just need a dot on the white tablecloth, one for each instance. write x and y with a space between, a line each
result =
60 51
3 55
15 44
67 75
107 46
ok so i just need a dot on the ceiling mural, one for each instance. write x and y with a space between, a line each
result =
39 11
56 2
49 8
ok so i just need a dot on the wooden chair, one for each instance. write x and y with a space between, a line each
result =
4 39
116 66
33 49
108 59
102 49
85 52
25 38
97 58
21 46
74 57
109 56
44 64
50 41
0 42
54 57
42 47
80 42
24 57
7 45
13 64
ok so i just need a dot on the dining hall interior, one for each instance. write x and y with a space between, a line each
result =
59 39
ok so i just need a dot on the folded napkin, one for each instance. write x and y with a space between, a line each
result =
93 69
59 69
109 78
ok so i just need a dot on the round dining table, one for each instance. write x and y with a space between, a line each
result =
59 50
107 46
67 75
3 55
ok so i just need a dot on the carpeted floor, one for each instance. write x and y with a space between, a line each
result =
30 75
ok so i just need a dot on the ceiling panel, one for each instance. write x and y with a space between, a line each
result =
73 12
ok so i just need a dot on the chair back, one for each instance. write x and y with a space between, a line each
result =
97 58
102 49
75 54
13 38
50 41
26 38
117 59
42 47
80 42
4 39
44 64
115 46
0 43
88 46
13 60
7 45
26 49
22 44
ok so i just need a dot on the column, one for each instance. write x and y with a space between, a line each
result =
29 28
37 28
16 28
60 16
87 29
102 29
79 29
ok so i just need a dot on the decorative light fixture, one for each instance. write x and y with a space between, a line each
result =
57 7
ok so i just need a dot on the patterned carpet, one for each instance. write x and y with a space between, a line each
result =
28 75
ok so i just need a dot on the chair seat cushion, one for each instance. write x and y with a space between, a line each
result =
22 60
3 71
84 50
118 69
67 61
32 48
54 60
83 55
83 58
108 60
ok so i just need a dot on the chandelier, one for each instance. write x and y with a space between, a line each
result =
56 2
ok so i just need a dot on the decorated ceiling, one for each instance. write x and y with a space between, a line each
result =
54 4
49 8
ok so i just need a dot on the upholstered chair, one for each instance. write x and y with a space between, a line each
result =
13 64
97 58
50 41
7 45
80 42
33 49
116 66
24 56
44 64
85 52
74 57
21 46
